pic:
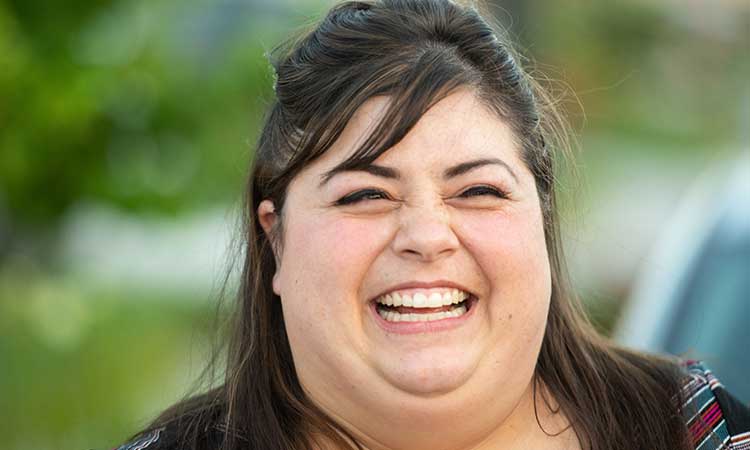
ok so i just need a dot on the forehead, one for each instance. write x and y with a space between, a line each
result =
457 127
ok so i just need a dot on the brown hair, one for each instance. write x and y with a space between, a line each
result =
416 52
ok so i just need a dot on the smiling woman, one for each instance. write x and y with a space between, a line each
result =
403 285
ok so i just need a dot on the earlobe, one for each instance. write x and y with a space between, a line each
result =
276 284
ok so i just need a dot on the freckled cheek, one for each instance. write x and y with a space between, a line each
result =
346 247
354 242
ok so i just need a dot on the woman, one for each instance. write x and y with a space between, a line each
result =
403 284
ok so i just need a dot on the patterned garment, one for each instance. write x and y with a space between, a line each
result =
715 419
143 442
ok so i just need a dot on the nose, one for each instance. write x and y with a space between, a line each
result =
425 233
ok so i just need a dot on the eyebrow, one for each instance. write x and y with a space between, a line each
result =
391 173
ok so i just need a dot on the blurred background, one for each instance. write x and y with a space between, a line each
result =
126 128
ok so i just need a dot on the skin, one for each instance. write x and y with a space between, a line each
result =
464 387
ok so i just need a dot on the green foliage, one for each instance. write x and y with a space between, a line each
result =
646 71
117 105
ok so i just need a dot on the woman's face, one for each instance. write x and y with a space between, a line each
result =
450 214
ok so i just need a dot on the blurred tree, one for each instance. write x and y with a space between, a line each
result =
148 106
676 76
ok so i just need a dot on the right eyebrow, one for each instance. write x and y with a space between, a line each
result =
374 169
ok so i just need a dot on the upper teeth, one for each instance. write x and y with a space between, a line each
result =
422 300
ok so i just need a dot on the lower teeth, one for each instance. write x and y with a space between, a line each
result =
394 316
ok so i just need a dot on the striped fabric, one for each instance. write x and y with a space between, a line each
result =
740 441
704 412
143 441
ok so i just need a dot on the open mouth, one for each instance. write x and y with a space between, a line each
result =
424 307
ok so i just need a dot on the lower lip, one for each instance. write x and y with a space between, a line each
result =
433 326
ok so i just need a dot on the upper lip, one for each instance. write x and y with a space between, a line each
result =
424 285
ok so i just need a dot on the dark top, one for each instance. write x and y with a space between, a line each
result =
715 419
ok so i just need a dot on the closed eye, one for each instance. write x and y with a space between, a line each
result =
478 191
364 194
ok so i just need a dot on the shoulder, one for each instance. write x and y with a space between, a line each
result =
194 423
172 438
715 419
176 436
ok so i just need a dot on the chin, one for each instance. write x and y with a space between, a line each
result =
433 375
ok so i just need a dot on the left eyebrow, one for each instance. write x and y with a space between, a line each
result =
460 169
390 172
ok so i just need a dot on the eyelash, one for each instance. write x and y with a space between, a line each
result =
364 194
370 194
475 191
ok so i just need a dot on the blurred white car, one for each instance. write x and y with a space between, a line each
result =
693 296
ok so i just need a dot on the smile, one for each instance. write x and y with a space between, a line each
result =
423 306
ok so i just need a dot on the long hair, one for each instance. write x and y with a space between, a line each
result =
416 52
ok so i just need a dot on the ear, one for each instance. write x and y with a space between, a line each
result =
267 216
268 220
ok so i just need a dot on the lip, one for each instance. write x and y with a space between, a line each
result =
424 285
434 326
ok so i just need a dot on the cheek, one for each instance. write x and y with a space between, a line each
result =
323 264
511 251
507 237
317 247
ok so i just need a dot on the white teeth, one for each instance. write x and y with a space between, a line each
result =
393 316
435 300
422 300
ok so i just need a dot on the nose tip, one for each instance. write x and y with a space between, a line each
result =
425 234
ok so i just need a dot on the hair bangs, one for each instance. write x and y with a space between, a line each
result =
435 74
